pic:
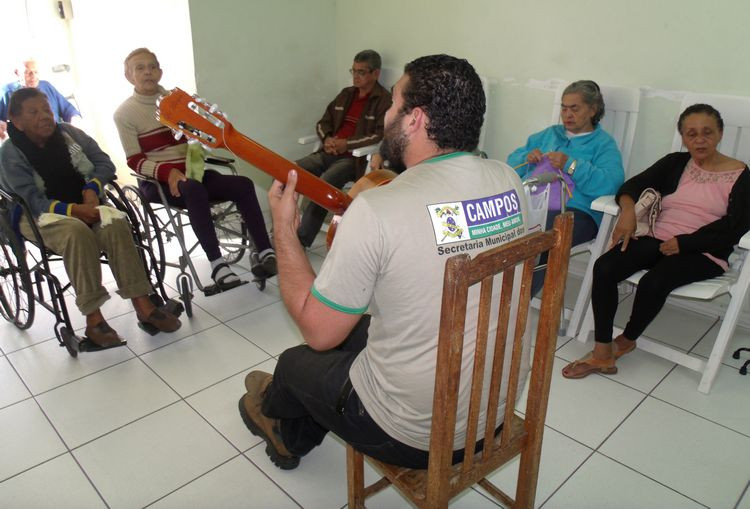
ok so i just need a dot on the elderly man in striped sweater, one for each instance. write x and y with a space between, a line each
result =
151 150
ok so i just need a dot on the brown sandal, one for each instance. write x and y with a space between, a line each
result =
590 365
103 335
619 353
161 319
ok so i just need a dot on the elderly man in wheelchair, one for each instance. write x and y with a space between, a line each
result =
60 173
174 176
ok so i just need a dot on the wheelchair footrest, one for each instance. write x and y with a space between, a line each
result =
174 307
86 345
216 288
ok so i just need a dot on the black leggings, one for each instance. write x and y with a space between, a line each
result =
664 275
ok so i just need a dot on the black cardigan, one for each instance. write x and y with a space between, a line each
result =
717 238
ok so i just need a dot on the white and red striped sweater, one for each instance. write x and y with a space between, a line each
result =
149 146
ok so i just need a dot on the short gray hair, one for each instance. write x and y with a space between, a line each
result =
591 95
369 57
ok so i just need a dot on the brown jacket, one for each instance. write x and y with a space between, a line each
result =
369 130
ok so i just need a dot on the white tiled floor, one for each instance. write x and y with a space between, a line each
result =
155 423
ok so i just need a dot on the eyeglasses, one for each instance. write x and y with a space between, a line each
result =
359 72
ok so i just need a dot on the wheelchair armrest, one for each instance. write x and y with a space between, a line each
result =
214 159
365 151
138 176
306 140
6 195
606 204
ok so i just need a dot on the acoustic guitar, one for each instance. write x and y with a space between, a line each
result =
198 120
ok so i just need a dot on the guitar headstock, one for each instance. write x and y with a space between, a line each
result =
193 117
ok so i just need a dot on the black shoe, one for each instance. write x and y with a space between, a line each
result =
265 266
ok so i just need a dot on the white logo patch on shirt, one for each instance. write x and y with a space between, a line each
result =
475 219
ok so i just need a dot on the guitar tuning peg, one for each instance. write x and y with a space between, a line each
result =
214 108
224 115
177 134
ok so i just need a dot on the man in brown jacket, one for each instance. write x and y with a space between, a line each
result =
353 119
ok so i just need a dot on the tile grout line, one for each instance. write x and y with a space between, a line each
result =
746 491
62 440
263 471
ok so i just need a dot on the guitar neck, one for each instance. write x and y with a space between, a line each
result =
268 161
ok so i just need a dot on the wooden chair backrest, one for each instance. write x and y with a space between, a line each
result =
461 273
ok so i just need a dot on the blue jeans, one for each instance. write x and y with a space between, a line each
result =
584 230
337 171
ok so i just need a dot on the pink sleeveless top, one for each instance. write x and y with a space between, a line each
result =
701 198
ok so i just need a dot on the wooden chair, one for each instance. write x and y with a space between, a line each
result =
442 481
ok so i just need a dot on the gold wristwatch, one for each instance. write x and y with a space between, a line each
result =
572 167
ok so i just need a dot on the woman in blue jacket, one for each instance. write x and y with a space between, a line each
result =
583 151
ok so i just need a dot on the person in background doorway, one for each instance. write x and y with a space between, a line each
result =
28 76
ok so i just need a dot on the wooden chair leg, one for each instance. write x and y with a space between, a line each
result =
355 478
528 474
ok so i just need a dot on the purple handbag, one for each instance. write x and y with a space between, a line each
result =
545 166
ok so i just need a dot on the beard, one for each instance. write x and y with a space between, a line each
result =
394 144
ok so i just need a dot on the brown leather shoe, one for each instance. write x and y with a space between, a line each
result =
103 335
162 320
268 429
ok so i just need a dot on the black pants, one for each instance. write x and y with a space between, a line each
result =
196 197
311 396
665 274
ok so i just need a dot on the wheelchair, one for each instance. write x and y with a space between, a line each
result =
26 279
161 223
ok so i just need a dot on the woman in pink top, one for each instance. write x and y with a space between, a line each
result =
706 209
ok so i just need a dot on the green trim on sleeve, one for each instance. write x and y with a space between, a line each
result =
337 307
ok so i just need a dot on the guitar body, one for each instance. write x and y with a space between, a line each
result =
202 122
375 178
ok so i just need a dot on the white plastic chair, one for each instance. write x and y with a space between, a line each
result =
621 105
736 143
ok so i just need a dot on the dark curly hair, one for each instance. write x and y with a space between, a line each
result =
706 109
450 92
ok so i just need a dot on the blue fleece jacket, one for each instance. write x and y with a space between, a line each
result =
598 170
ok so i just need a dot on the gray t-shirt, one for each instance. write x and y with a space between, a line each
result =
389 257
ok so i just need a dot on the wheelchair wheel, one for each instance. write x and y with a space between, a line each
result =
16 294
143 218
186 293
231 231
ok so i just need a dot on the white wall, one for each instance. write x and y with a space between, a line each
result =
94 43
260 57
103 33
666 45
270 65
